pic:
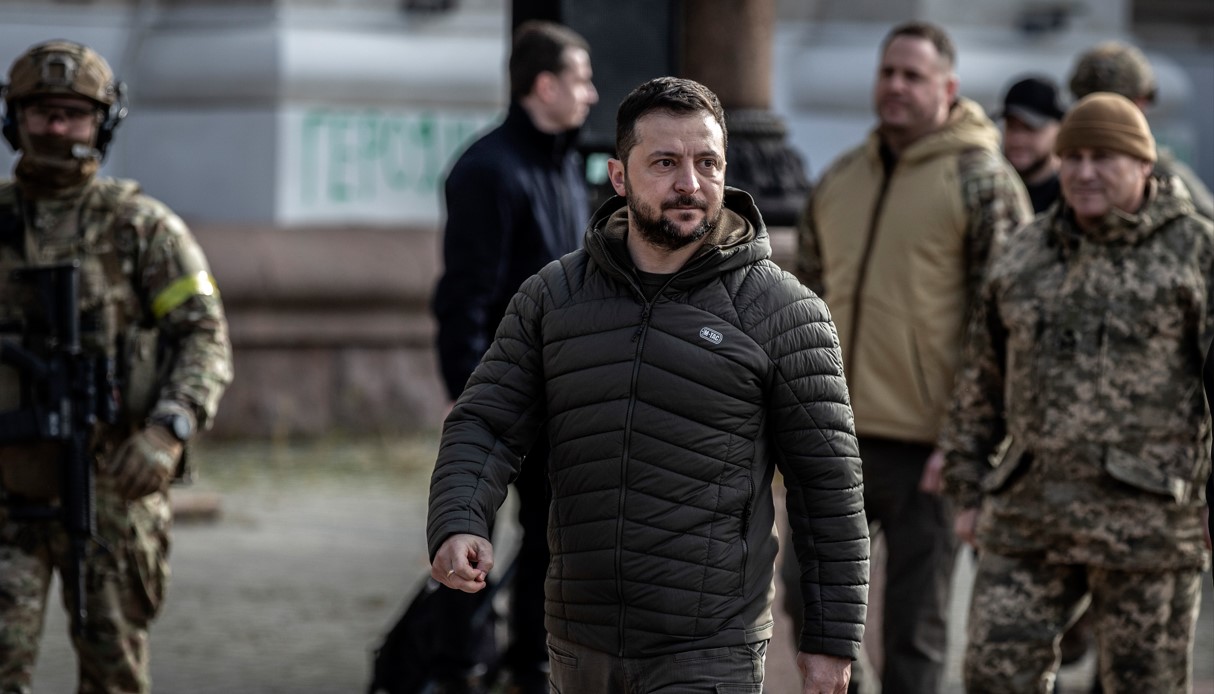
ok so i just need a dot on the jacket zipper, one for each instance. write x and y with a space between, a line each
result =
639 338
849 360
750 495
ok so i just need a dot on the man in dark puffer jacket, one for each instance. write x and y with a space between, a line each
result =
676 368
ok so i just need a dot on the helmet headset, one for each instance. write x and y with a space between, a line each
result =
64 68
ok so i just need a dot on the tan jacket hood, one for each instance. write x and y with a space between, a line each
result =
967 127
899 247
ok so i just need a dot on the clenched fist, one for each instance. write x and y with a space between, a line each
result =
145 462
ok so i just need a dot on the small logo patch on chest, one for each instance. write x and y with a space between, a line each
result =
711 335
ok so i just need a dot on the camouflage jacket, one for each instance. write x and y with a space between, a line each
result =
145 285
1168 165
1082 386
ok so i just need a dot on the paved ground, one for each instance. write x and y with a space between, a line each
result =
316 549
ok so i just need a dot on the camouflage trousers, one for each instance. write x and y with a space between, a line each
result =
125 584
1144 622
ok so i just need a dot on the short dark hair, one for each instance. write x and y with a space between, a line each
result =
538 47
924 30
671 95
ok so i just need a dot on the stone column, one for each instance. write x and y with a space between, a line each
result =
727 45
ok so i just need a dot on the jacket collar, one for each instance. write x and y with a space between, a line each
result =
556 146
1164 201
967 127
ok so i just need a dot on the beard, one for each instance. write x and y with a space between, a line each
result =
49 163
659 231
1035 167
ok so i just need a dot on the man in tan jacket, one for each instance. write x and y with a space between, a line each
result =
896 237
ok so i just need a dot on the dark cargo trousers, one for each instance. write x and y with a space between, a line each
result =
729 670
1144 623
920 551
920 554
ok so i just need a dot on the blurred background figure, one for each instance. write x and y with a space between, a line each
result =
899 259
1082 385
122 365
1121 68
515 200
1031 115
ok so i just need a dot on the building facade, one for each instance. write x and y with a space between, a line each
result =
305 142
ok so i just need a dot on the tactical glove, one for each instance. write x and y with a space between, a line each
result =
145 462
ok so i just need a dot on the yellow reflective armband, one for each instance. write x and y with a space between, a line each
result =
181 290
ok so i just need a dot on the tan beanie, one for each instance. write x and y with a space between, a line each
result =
1104 120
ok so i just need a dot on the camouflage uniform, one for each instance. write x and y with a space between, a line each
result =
148 302
1082 386
1168 165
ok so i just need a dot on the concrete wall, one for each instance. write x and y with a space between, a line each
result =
330 328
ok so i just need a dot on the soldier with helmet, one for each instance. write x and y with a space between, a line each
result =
147 305
1113 66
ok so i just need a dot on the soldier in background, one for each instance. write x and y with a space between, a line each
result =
1120 68
1082 377
148 302
1113 66
1032 114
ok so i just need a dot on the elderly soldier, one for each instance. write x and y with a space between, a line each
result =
1082 382
147 305
1113 66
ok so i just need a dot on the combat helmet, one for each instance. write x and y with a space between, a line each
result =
61 67
1113 66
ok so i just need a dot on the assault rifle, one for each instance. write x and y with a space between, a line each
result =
66 391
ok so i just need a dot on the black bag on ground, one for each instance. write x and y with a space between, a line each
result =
443 633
